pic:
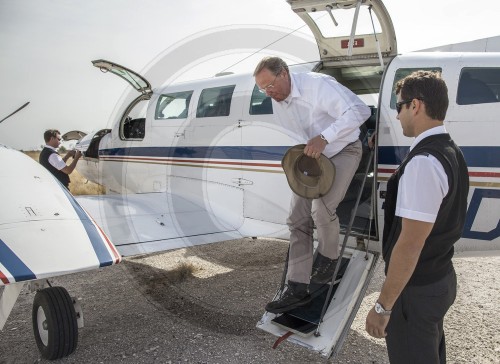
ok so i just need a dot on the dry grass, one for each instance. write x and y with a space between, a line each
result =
79 185
181 272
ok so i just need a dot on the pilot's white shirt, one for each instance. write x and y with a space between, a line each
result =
318 104
423 184
55 159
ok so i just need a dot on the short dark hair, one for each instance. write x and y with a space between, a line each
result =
49 134
273 64
429 87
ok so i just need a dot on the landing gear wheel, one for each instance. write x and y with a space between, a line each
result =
54 323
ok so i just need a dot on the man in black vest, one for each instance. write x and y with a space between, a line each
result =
50 159
425 210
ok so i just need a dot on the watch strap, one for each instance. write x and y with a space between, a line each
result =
381 310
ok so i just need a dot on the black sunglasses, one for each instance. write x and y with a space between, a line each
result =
401 103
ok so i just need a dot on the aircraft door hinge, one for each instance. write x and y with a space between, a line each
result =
241 182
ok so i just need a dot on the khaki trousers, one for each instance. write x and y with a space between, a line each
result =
323 211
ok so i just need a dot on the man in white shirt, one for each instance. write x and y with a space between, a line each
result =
425 210
51 160
326 117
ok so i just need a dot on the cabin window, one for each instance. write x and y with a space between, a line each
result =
478 86
402 73
215 101
173 106
260 103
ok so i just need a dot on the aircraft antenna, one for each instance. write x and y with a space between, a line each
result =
261 49
22 107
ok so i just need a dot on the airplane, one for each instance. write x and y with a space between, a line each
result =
45 233
199 162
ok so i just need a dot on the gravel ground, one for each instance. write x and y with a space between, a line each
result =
201 305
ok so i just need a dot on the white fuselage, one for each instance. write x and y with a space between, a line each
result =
230 164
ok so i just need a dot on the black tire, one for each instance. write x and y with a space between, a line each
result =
54 323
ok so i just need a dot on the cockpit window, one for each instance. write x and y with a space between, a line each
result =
173 106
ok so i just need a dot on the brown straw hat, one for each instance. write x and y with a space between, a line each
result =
308 177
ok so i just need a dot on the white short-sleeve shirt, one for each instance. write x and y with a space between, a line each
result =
423 184
55 159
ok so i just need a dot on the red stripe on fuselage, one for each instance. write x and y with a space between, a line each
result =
198 161
484 174
472 174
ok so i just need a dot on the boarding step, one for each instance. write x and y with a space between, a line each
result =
304 320
345 301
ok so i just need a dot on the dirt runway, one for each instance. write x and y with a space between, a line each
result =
144 311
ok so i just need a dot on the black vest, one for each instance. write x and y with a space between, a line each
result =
44 161
435 259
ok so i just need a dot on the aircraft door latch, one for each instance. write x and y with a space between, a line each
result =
241 181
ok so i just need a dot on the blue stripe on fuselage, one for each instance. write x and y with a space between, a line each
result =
271 153
14 265
488 157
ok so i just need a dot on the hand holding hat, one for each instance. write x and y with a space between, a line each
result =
308 177
315 146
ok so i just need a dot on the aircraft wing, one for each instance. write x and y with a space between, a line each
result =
43 231
145 223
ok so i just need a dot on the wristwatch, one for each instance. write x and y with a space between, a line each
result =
323 138
381 310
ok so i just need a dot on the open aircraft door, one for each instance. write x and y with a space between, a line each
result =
355 39
349 32
88 144
130 133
